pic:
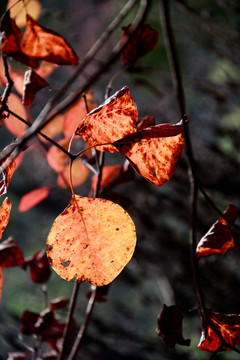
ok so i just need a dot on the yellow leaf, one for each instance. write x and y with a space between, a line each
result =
18 10
92 239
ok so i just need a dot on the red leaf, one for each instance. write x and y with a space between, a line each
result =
111 121
6 177
219 237
14 125
170 326
224 327
28 320
146 122
4 215
154 152
32 84
40 270
142 42
10 254
11 37
33 198
43 43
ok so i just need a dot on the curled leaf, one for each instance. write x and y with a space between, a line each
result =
4 215
144 40
154 152
170 326
92 239
33 198
111 121
32 84
222 331
43 43
219 237
6 177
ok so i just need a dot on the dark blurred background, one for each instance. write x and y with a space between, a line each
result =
207 37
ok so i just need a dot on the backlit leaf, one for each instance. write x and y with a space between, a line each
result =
11 37
170 326
225 325
10 254
32 84
45 44
56 158
109 173
53 128
219 237
154 152
33 198
18 10
111 121
14 125
92 239
144 40
4 215
79 174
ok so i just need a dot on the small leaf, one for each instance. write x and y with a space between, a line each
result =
45 44
219 237
79 174
10 254
111 121
226 326
170 326
33 198
92 239
14 125
40 270
154 152
53 128
32 84
144 40
4 215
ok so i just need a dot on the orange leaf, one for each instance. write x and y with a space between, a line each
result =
154 152
43 43
6 177
79 174
108 175
92 239
14 125
111 121
4 215
32 84
33 198
219 237
57 158
225 325
53 128
75 114
144 40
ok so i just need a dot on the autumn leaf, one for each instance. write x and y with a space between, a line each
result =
10 254
170 326
56 158
154 152
53 128
111 121
223 331
6 177
79 174
14 125
43 43
92 239
146 122
39 267
11 37
33 198
4 215
143 41
32 84
219 237
18 10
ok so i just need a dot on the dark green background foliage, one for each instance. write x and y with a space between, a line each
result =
207 38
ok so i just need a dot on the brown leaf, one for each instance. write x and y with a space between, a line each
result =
10 254
92 239
32 84
4 215
111 121
43 43
219 237
154 152
32 198
224 331
170 326
11 37
144 40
